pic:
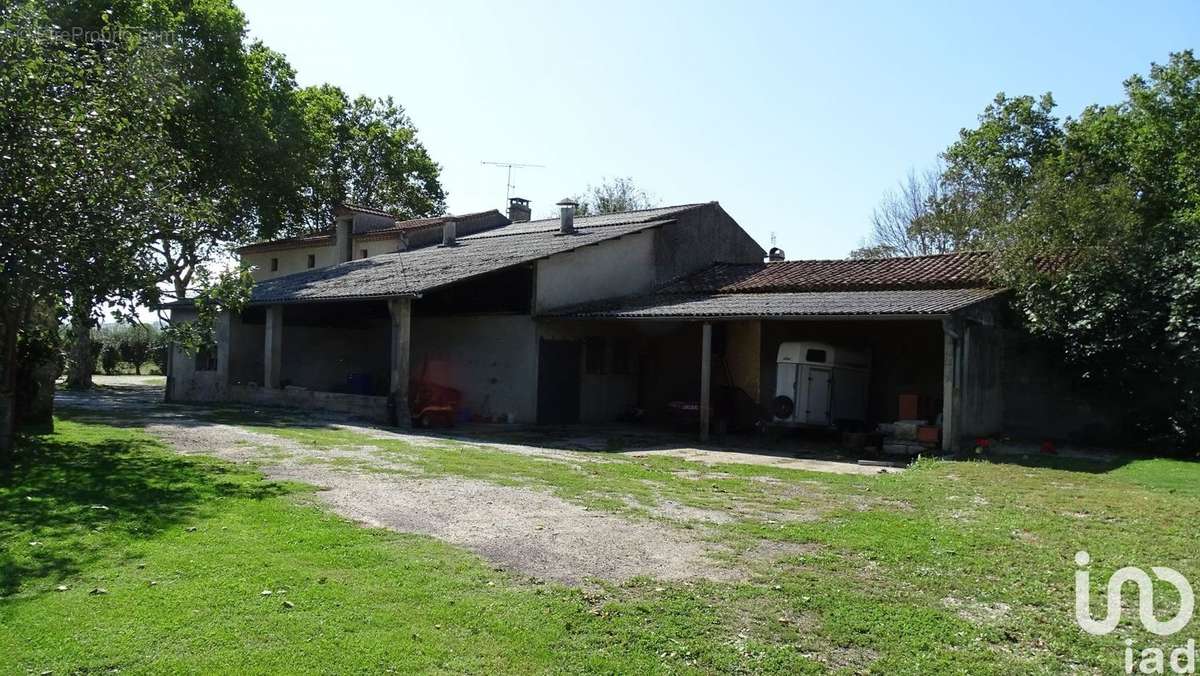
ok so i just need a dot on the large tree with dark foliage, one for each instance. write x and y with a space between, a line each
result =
82 135
1096 221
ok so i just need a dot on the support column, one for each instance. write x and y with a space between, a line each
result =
951 379
224 337
705 380
401 311
273 348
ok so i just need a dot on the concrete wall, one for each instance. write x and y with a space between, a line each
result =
743 357
370 408
982 402
606 396
491 359
608 270
323 358
1043 401
699 238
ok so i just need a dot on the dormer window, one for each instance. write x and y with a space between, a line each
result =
363 254
312 260
274 265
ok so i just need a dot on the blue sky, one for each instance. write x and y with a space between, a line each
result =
796 117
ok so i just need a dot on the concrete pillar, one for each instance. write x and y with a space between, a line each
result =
224 330
952 339
705 380
273 348
401 311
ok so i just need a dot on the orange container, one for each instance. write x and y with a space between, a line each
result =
910 407
929 434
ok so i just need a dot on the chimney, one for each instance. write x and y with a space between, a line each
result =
518 210
343 242
450 231
775 255
566 216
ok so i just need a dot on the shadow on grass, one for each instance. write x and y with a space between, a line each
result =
83 491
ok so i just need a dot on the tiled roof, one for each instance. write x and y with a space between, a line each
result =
941 271
913 286
377 229
551 224
491 218
419 270
783 304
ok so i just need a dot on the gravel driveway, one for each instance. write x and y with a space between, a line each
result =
522 529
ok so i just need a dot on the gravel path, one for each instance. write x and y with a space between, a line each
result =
522 529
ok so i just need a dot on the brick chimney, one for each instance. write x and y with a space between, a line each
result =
518 210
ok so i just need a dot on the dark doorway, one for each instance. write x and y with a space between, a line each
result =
558 381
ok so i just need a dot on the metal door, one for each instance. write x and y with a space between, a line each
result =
816 401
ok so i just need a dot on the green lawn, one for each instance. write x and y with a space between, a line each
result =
950 566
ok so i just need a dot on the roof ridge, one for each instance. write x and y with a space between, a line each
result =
885 258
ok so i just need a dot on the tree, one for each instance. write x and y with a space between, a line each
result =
82 135
612 196
364 151
916 220
1117 212
1096 223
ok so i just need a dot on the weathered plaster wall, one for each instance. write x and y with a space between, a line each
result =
699 238
743 357
290 261
608 270
491 359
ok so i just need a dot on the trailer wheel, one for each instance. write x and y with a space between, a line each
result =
783 407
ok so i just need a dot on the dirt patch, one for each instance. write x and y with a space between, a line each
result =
976 612
524 530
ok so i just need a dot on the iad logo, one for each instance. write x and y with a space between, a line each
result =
1182 659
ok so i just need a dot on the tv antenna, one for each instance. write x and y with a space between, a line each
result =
772 239
508 182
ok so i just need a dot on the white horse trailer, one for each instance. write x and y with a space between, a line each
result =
820 385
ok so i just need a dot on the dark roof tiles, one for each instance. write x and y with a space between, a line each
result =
955 270
913 302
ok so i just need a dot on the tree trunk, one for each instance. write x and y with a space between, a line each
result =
8 383
79 371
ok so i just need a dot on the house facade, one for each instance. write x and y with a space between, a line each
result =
661 315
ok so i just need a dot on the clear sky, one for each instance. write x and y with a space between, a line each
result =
795 116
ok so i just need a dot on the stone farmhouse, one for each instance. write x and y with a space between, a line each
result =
662 315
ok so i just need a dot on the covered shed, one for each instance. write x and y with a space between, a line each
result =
930 324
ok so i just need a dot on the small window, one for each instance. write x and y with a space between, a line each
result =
817 356
274 265
206 358
593 359
621 357
312 260
362 254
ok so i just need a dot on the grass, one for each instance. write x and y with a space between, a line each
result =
948 567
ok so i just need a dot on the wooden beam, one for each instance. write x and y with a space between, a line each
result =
401 311
705 380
